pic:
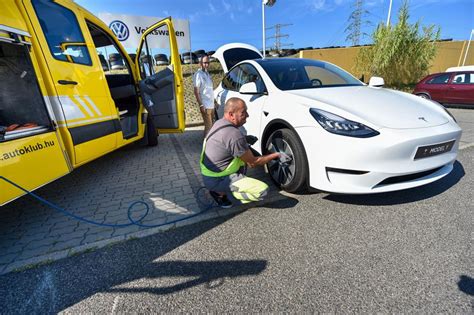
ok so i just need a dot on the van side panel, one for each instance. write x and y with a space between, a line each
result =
31 163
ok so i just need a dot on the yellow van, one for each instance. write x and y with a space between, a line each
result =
61 103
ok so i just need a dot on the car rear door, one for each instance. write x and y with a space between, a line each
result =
161 86
461 88
231 84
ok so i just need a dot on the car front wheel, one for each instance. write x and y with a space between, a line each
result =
289 173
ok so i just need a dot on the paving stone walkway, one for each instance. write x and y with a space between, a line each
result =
165 177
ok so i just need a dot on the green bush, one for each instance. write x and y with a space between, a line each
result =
401 54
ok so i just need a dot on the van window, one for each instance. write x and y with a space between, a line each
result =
22 108
62 32
153 54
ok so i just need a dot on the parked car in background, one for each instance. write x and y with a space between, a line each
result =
161 59
452 88
200 53
116 62
460 68
188 58
210 53
103 62
337 133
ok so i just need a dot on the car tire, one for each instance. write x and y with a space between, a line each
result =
151 134
424 95
290 176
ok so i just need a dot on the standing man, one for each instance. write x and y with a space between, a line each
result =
204 93
226 154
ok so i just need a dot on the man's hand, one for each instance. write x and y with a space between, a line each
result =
202 109
253 161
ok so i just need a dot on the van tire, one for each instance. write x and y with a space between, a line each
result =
151 134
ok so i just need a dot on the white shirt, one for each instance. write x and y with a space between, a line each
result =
202 80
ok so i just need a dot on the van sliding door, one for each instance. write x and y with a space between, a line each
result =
31 153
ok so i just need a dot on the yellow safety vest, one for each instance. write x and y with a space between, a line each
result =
232 168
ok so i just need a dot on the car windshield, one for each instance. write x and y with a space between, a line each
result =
293 74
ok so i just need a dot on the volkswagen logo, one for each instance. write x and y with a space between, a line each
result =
120 30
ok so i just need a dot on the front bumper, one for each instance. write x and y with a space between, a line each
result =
382 163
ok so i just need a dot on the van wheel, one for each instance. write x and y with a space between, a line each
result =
151 134
291 175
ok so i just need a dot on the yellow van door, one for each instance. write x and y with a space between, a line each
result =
161 79
31 152
86 119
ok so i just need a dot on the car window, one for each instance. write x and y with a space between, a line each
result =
62 32
250 74
463 78
232 80
293 74
324 75
440 79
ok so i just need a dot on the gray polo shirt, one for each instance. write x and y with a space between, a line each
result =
224 142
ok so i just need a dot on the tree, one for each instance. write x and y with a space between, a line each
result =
354 29
400 53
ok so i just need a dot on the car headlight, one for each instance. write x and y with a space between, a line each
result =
341 126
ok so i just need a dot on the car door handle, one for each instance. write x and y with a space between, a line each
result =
67 82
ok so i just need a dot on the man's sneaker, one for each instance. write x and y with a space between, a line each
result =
222 201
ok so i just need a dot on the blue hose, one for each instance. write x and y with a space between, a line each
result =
129 211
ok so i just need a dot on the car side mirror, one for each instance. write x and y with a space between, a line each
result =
249 88
376 82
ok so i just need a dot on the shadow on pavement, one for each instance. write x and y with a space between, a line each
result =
404 196
57 286
466 284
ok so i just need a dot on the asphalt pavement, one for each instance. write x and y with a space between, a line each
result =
402 252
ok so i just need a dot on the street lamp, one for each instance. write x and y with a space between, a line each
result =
264 3
389 12
468 44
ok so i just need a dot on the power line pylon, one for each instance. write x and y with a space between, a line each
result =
278 36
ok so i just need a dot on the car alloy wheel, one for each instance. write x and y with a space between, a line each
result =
289 174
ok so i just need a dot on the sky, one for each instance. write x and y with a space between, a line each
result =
315 23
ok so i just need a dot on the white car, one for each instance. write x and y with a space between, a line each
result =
341 135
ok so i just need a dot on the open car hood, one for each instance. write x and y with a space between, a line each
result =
231 54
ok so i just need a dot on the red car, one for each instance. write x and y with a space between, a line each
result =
448 87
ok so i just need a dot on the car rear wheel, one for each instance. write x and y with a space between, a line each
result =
423 95
290 175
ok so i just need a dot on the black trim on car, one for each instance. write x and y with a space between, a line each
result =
344 171
407 178
93 131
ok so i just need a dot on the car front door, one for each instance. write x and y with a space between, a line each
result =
238 76
161 85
